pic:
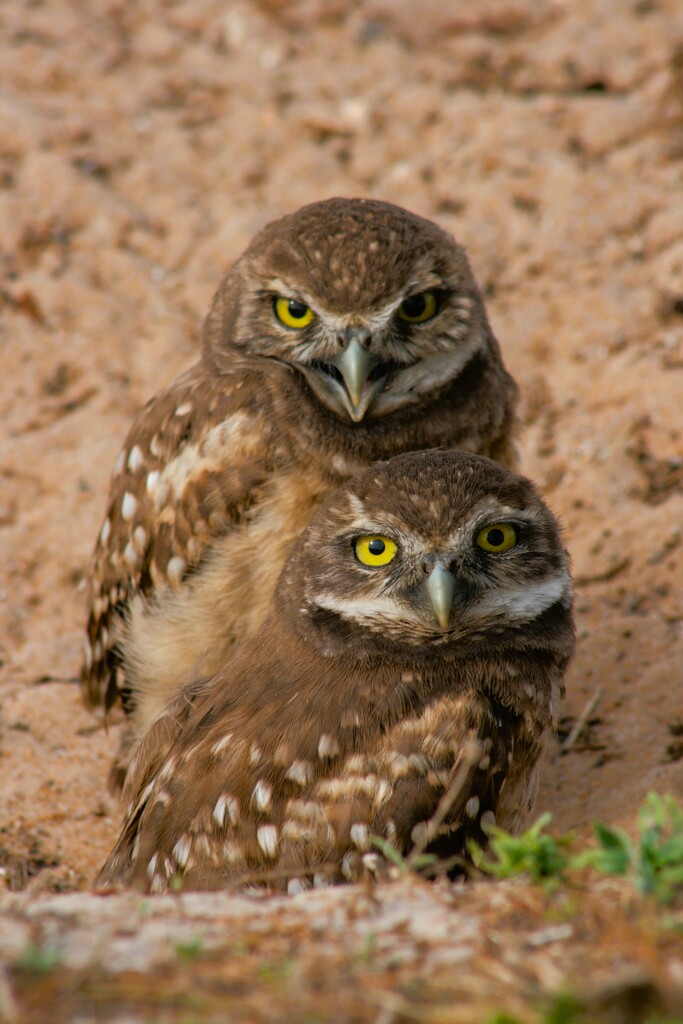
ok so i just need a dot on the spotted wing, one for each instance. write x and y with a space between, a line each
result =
188 470
253 777
151 760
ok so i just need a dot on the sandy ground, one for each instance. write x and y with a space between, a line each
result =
141 146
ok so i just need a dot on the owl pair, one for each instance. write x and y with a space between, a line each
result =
397 676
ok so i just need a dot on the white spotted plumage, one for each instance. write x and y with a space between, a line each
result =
222 470
326 731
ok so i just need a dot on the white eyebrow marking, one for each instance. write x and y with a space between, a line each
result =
388 525
356 505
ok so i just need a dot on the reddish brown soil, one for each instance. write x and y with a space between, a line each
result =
141 147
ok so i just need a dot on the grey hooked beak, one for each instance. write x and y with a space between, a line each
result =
355 362
354 365
440 587
360 376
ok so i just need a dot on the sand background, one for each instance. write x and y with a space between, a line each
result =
141 146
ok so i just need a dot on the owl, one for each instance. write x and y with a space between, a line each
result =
348 332
400 687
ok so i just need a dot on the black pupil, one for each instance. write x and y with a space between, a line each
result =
376 546
495 538
297 310
415 305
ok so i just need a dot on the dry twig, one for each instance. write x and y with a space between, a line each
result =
581 721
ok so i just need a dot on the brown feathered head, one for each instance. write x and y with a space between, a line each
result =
376 308
436 553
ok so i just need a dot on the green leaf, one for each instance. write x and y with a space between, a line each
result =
389 851
614 854
191 949
39 959
534 852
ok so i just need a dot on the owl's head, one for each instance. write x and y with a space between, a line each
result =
374 306
441 551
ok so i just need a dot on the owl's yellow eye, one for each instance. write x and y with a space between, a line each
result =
498 537
374 550
419 308
293 313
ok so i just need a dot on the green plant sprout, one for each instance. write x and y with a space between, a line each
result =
534 853
653 861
